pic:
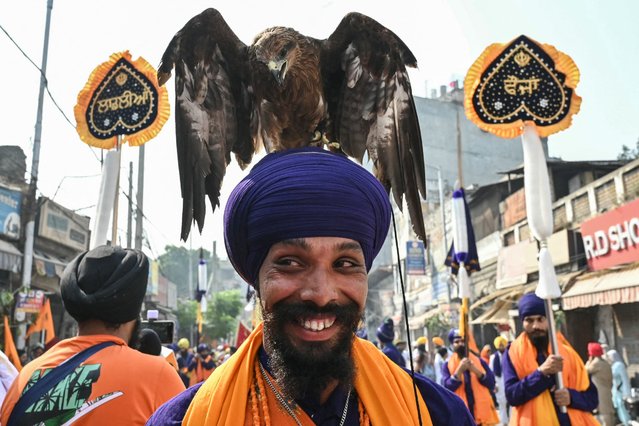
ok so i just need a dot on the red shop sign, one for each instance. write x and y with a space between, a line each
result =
612 238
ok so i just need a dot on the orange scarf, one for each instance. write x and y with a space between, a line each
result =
541 410
484 407
386 391
200 374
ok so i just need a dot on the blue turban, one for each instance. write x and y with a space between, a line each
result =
531 304
300 193
386 331
453 334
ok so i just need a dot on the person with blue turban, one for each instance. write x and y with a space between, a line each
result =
469 376
386 334
303 229
529 368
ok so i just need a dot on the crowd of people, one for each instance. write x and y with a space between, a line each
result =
195 364
515 383
303 229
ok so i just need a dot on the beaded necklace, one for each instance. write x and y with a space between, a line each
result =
258 392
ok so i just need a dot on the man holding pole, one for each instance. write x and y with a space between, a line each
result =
529 375
469 377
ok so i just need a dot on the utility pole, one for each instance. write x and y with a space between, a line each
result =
442 207
129 221
140 200
35 162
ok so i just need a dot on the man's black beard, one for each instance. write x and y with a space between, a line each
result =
461 351
540 341
134 341
305 371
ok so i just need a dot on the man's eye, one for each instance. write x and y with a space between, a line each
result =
347 263
286 261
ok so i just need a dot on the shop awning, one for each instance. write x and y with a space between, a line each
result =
490 297
604 288
10 257
418 321
496 314
48 265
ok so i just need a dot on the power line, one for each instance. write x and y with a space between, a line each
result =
46 84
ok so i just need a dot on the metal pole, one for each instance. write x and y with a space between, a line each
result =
215 265
441 204
140 200
190 270
442 207
129 224
35 161
460 172
554 345
114 227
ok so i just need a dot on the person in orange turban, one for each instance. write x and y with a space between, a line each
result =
495 364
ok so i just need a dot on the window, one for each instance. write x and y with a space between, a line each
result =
56 222
77 236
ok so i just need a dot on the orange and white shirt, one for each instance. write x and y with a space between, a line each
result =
115 386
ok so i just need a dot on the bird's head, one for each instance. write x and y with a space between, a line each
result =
277 48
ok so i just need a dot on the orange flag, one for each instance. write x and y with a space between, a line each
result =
44 322
10 347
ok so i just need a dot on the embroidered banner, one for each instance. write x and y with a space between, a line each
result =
518 82
122 97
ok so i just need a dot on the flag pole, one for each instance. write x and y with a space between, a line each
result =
540 222
463 280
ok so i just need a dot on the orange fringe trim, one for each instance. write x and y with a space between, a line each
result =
563 64
96 77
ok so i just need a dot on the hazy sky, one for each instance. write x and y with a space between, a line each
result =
445 36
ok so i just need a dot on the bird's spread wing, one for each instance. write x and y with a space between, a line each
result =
213 109
371 106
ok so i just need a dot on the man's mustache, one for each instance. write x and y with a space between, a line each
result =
299 309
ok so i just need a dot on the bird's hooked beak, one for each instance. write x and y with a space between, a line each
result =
278 69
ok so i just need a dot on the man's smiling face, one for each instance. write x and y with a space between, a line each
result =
313 292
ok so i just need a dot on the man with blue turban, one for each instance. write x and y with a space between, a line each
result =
529 372
385 335
303 229
469 377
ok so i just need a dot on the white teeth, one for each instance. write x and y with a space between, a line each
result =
317 325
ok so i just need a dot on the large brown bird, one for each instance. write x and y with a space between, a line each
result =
287 90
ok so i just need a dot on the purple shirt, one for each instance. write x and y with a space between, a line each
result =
444 407
519 392
394 354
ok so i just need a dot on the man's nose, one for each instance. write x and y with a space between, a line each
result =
318 288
